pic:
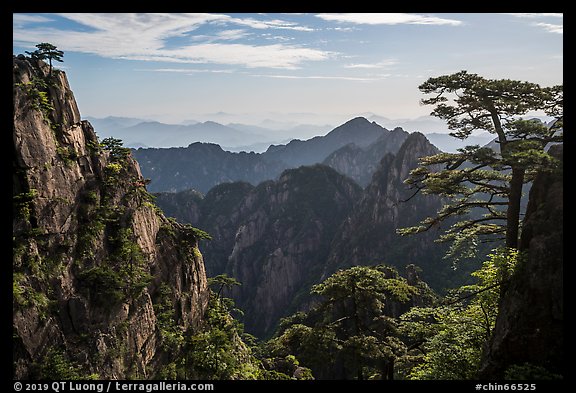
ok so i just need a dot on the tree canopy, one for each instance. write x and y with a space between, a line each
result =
352 331
47 51
484 184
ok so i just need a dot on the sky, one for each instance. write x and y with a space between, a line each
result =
310 68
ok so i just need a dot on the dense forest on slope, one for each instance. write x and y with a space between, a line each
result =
106 286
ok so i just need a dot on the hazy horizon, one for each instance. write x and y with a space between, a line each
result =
277 121
303 68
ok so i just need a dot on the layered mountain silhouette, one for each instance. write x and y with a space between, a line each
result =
202 166
282 236
141 133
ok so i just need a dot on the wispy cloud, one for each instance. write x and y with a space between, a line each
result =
224 35
389 19
190 71
552 28
549 27
19 19
536 15
235 34
266 24
380 64
145 37
329 77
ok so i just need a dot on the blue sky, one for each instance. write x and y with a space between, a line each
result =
307 67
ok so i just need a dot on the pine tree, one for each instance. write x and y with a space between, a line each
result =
350 332
47 51
480 178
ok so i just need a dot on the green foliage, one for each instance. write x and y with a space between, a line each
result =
222 281
88 234
68 154
27 293
198 234
479 179
171 333
104 284
21 203
113 169
55 366
350 325
213 352
37 92
124 275
114 146
94 147
450 337
19 289
529 372
47 51
131 261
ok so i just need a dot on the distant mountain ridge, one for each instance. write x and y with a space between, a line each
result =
282 236
202 166
154 133
359 131
238 137
136 132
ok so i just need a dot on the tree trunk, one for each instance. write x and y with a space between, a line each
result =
356 319
513 214
359 375
387 370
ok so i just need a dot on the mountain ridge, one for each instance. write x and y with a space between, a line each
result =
168 168
282 236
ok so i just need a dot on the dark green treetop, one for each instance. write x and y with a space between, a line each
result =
47 51
350 332
481 178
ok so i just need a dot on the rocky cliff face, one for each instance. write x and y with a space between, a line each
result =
281 237
530 324
368 235
282 241
273 238
90 251
360 163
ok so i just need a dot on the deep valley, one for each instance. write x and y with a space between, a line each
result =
362 253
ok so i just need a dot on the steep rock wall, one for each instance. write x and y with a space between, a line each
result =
530 324
90 250
368 235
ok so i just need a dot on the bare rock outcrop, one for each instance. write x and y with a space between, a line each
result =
90 250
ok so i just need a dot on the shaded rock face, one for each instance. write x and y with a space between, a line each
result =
282 241
273 238
281 237
184 204
530 323
90 251
360 163
201 166
368 235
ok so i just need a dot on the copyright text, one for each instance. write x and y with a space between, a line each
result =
111 386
